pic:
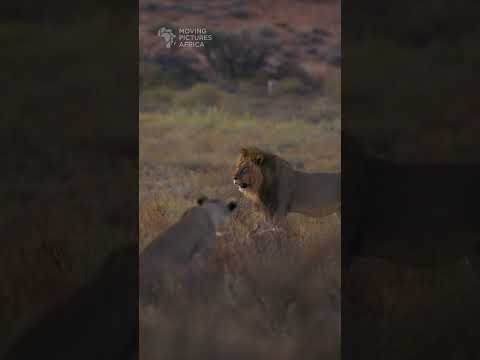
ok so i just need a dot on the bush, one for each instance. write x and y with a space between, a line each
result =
240 13
322 109
160 94
237 54
169 70
200 96
333 86
267 31
292 86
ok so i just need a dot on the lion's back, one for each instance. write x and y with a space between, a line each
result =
316 194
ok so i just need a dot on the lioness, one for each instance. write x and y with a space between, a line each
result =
277 189
192 235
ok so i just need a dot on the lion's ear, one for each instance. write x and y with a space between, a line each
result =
244 152
201 200
259 159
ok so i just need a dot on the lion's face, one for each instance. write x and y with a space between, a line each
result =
248 175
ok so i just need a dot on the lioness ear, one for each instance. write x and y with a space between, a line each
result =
201 200
232 205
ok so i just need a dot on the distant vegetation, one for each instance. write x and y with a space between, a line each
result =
238 54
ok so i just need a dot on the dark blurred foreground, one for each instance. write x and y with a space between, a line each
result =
413 282
98 321
413 287
69 178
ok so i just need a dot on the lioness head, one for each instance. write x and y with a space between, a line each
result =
218 211
248 175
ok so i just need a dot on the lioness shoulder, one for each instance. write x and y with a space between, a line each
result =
193 234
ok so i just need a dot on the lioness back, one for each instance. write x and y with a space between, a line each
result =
192 235
178 243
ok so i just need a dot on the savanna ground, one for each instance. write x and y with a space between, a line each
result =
271 296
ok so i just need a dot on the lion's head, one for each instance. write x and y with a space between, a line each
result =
248 173
256 174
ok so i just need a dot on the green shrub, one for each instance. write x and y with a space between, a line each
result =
322 109
160 94
237 54
292 85
333 86
200 96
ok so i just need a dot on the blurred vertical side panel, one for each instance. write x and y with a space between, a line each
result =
69 184
410 164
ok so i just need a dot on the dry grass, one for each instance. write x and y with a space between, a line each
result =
260 294
265 296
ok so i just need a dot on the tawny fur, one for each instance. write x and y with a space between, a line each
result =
277 189
174 250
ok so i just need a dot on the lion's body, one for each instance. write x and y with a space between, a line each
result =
277 189
315 194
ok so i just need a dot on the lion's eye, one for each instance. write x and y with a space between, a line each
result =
239 172
242 170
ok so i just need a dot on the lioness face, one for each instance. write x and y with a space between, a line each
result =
218 211
247 176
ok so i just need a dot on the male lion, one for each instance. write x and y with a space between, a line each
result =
192 235
277 189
